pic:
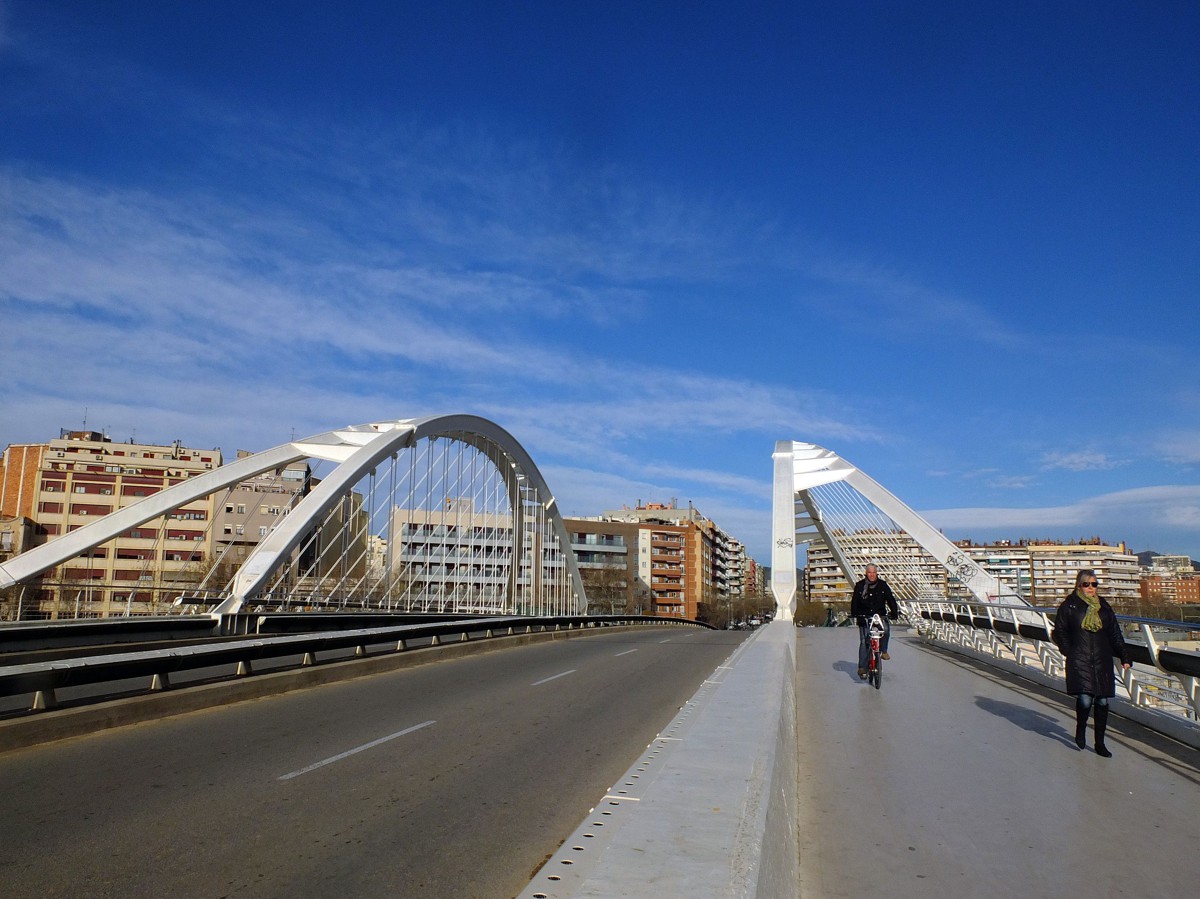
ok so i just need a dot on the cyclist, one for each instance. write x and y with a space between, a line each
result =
872 596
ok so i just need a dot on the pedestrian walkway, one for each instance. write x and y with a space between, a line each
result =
957 780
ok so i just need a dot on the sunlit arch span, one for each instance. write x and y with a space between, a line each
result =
819 494
356 451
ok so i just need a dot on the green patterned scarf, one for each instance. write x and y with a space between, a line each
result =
1091 621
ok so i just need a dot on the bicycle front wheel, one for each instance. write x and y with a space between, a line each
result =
877 674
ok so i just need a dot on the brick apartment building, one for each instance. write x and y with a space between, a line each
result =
67 482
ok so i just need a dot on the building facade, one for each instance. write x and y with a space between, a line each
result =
1170 579
689 567
19 468
84 474
607 553
457 559
1043 573
248 512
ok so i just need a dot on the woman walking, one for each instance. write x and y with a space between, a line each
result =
1086 630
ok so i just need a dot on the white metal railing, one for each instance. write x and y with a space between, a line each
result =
1162 679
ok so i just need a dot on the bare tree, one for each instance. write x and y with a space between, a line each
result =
608 589
9 602
812 614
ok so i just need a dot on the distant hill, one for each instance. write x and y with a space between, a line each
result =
1145 557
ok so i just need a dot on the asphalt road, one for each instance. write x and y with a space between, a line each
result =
454 779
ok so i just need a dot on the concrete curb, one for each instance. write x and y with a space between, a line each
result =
710 807
61 724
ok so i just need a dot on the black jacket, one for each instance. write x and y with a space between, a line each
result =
873 599
1089 654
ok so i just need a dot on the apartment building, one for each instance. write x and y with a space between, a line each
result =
1173 564
1181 589
456 559
1053 567
82 475
688 565
655 559
823 580
19 468
248 512
1043 573
16 535
902 562
607 554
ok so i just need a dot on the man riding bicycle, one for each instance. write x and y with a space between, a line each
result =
872 596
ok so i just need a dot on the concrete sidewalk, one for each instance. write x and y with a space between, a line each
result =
960 779
709 809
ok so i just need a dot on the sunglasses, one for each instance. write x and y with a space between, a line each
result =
1091 583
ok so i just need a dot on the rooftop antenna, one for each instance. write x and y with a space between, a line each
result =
85 418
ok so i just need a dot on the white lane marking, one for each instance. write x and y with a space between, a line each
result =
547 680
668 640
626 652
356 749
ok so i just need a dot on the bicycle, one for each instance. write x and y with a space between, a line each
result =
874 660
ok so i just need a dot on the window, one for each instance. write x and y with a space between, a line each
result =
241 529
262 531
241 509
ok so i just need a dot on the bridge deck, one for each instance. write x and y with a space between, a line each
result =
957 780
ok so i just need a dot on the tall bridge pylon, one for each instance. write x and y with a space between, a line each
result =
819 495
441 513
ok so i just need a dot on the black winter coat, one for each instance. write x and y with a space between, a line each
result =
873 599
1089 654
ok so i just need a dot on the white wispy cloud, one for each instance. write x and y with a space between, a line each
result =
1135 515
1082 460
894 303
1013 482
1181 448
188 302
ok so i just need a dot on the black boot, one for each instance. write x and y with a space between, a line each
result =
1101 727
1081 717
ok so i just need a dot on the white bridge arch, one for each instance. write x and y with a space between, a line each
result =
819 495
540 564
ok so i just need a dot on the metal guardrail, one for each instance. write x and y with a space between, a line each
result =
1162 678
43 679
26 636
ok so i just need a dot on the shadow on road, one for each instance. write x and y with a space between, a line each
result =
849 667
1028 719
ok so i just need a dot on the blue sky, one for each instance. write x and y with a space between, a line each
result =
958 244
